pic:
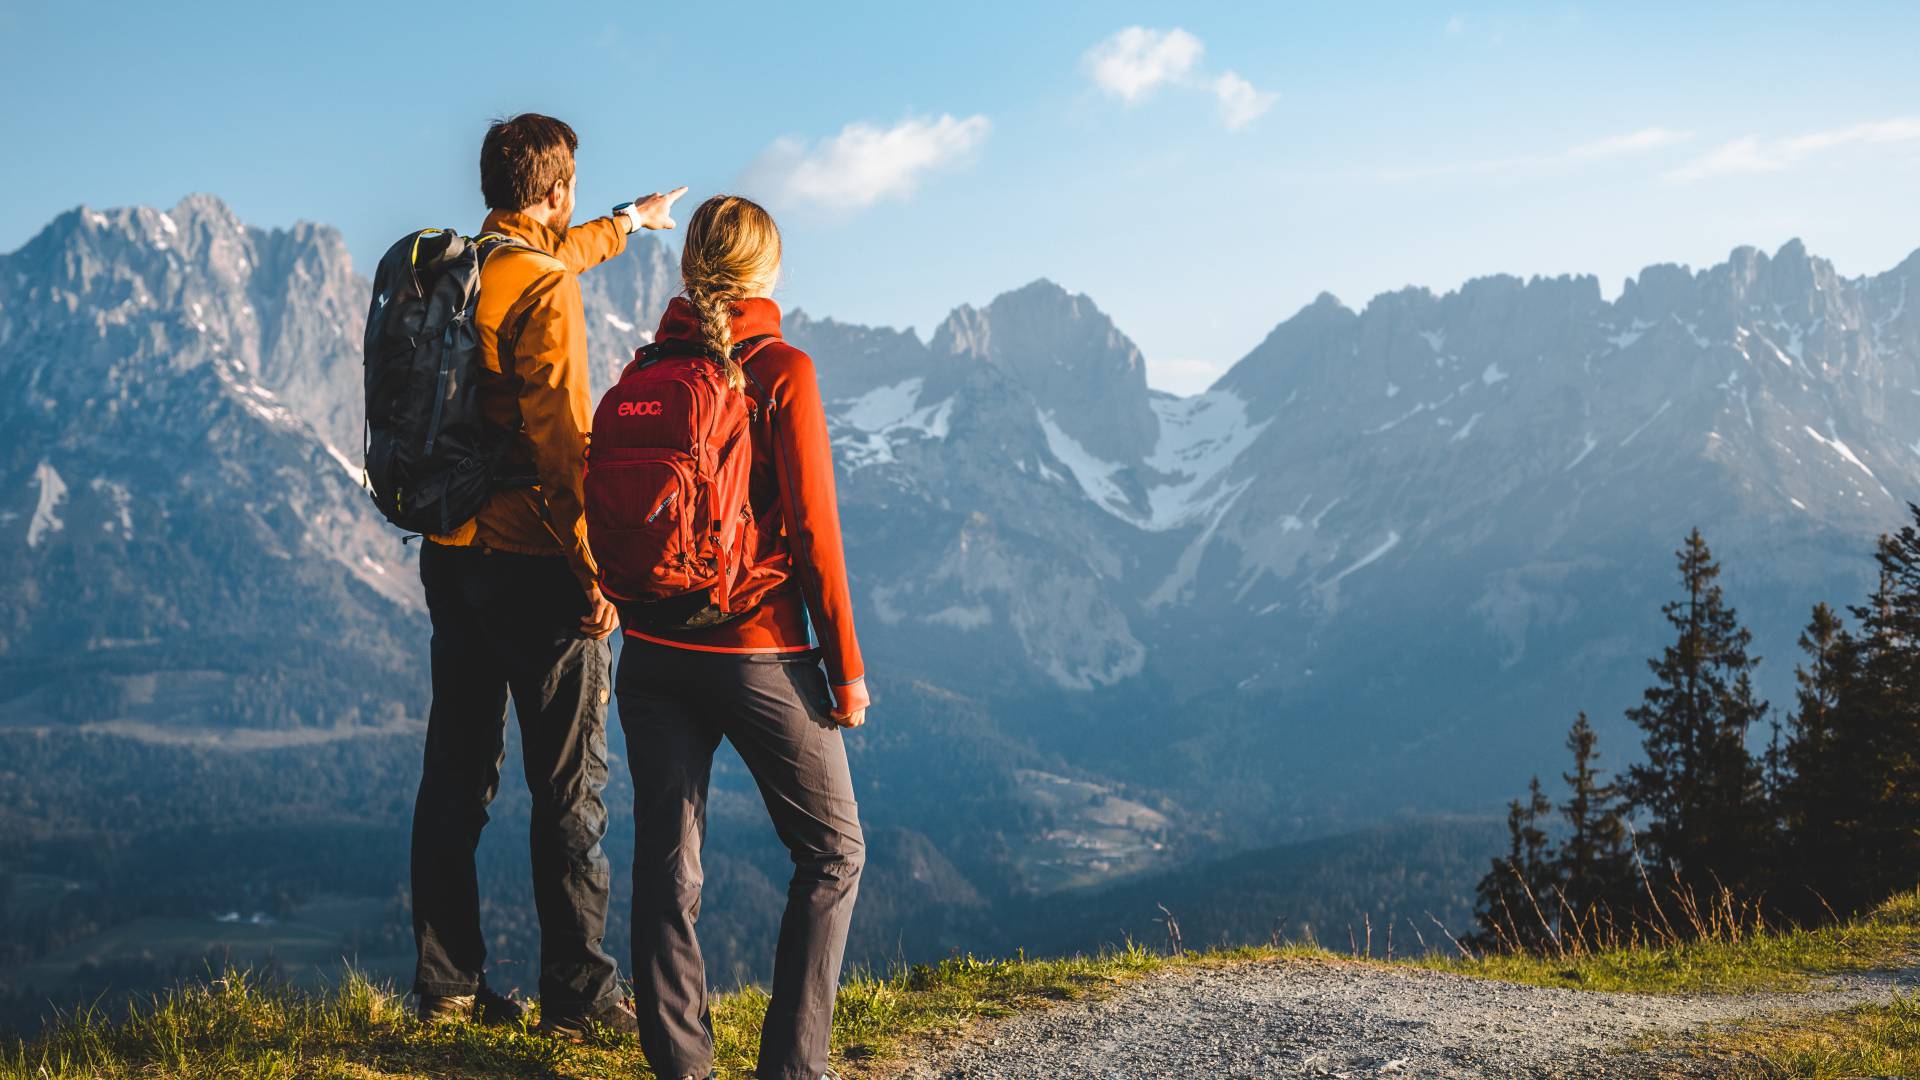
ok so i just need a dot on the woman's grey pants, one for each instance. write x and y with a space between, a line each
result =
676 705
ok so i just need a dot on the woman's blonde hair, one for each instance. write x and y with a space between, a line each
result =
732 251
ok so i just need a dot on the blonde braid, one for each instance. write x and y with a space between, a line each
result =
732 251
715 309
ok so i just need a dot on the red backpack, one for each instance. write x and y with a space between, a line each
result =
666 490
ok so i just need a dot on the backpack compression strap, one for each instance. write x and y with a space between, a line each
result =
743 350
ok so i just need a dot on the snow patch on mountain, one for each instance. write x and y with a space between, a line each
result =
1094 475
46 511
1657 414
1200 439
1846 454
1630 335
878 416
347 463
1588 448
1392 541
121 501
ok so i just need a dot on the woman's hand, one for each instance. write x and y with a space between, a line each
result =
849 704
601 618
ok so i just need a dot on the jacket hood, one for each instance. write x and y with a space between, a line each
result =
752 317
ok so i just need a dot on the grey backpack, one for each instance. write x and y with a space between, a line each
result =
432 460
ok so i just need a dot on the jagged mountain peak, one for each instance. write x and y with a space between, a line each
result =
188 286
1066 352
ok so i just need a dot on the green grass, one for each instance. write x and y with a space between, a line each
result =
1870 1040
235 1027
1733 962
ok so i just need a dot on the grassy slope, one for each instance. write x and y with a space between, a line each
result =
1733 962
233 1028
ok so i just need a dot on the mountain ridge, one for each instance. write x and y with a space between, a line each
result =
1483 482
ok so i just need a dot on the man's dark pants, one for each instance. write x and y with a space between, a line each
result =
503 625
676 705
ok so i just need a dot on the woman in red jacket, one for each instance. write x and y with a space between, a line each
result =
778 682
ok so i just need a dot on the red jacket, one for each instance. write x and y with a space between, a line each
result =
792 484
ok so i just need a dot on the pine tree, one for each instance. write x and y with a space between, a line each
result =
1512 899
1820 801
1879 724
1593 865
1699 786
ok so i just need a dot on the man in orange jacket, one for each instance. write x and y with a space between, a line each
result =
517 611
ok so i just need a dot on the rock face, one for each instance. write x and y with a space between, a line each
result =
1079 369
190 545
1375 567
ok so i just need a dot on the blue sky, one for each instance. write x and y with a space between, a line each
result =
1199 170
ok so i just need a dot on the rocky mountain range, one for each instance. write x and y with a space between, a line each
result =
1369 574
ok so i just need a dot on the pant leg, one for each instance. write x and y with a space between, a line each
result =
460 772
670 745
780 726
560 682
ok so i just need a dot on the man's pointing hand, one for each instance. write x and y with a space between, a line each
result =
655 211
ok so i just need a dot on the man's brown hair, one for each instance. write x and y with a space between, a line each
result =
522 158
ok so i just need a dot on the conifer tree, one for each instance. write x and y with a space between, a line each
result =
1592 863
1820 800
1699 786
1879 724
1512 899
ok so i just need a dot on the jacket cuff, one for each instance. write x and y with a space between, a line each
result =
620 235
851 697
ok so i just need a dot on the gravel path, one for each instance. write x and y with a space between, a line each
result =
1330 1019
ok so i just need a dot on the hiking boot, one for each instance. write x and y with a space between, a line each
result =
494 1009
616 1017
486 1006
444 1008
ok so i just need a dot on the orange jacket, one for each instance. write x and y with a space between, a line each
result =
791 484
536 386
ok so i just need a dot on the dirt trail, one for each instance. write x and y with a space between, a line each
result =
1329 1019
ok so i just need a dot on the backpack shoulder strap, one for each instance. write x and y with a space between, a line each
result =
747 350
488 243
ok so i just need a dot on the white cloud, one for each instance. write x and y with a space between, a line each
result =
1134 62
864 163
1753 154
1456 24
1638 142
1240 103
